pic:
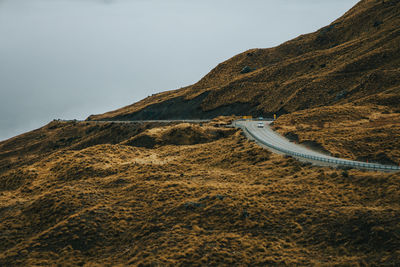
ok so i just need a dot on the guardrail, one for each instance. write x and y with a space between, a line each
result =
339 162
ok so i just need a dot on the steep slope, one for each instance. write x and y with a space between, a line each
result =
354 59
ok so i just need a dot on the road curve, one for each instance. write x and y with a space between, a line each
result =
277 143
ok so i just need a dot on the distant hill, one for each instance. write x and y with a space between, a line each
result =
355 59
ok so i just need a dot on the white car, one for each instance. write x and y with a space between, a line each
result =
260 125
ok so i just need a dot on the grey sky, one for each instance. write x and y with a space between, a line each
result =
72 58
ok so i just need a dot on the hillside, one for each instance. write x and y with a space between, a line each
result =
93 194
350 67
364 133
100 193
353 60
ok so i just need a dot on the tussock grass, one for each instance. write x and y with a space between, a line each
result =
223 202
347 131
355 59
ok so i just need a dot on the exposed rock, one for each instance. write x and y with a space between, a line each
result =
246 69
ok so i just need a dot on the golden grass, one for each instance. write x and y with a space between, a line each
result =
99 194
223 202
182 134
347 131
355 59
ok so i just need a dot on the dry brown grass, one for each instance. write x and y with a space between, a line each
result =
182 134
347 131
223 202
353 60
30 147
154 194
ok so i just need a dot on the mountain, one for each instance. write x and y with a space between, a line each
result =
100 193
353 60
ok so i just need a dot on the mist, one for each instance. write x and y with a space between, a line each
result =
69 59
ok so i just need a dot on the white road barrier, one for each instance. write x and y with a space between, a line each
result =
271 139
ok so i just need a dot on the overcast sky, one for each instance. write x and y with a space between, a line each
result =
72 58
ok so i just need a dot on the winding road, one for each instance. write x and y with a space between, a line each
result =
266 137
277 143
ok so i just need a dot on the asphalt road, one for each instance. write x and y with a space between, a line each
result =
277 143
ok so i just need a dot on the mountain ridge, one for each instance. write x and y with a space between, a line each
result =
90 193
321 68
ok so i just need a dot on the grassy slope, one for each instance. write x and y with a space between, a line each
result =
358 132
106 193
349 67
356 58
221 201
